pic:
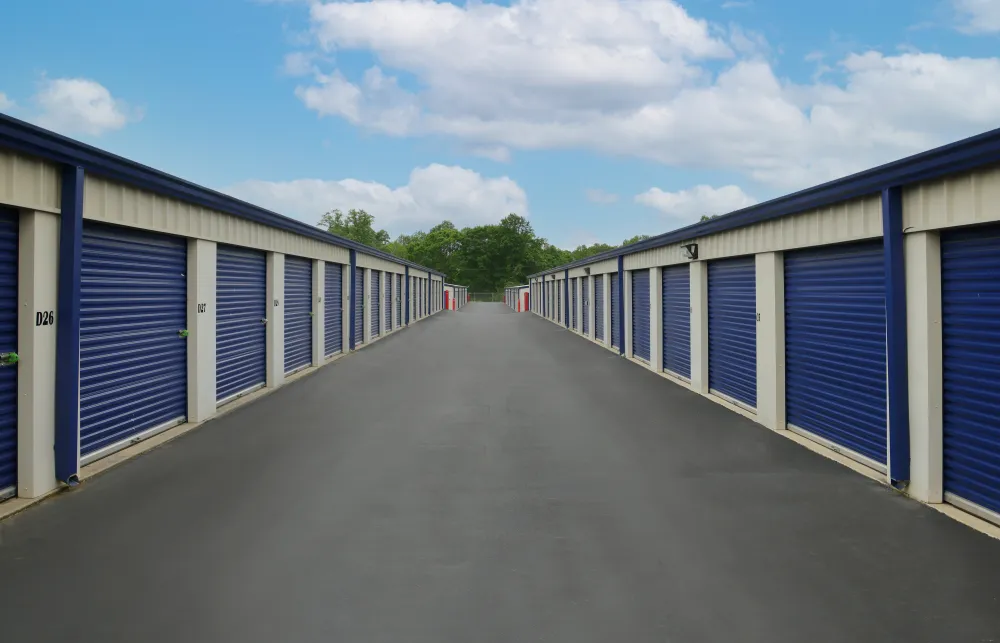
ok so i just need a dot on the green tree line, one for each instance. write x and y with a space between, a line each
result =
486 258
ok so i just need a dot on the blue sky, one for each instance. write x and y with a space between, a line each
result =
599 119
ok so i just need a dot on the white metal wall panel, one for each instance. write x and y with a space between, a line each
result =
399 301
853 220
240 311
333 309
377 263
28 182
732 329
133 351
599 268
835 377
574 285
962 199
126 205
970 300
9 227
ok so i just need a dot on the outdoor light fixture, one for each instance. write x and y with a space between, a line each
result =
691 251
587 270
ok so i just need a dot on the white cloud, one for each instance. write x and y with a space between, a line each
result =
433 193
299 63
687 206
6 103
81 106
979 16
600 196
498 153
630 78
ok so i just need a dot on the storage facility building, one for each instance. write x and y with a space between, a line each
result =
137 302
862 314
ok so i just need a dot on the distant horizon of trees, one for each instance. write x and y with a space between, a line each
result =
486 258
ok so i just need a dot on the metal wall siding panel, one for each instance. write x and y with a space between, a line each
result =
677 320
126 205
29 182
9 226
377 263
599 308
585 293
599 268
359 306
616 326
732 328
640 314
835 350
559 302
854 220
241 307
573 284
963 199
133 358
970 299
333 309
298 312
376 295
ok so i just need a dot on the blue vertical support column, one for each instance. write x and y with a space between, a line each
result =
566 298
621 305
67 425
406 300
354 293
895 330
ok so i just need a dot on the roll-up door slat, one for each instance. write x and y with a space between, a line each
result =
376 295
677 320
359 306
241 335
133 356
640 314
388 301
585 293
298 309
333 309
599 308
835 345
732 329
574 285
9 228
970 263
616 326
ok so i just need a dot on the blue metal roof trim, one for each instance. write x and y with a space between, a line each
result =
35 141
953 158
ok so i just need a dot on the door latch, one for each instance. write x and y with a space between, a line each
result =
8 359
183 333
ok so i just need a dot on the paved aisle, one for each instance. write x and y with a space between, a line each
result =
468 481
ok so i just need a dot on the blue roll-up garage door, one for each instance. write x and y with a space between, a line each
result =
8 344
640 314
574 286
559 300
376 294
732 329
677 320
388 301
133 351
333 309
359 306
399 301
585 294
616 322
835 346
241 309
599 307
970 299
298 313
